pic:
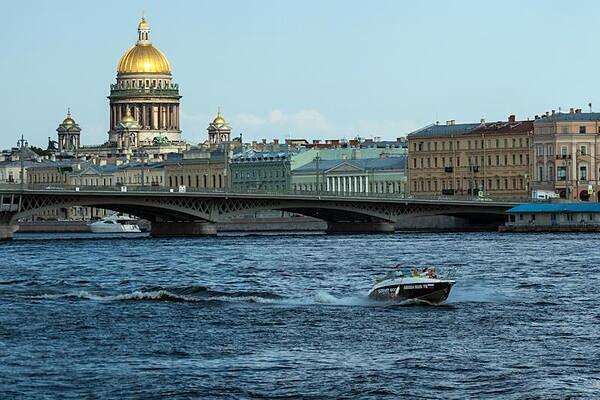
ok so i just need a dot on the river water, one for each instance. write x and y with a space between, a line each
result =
287 316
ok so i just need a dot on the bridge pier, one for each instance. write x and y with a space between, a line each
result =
175 229
7 230
360 227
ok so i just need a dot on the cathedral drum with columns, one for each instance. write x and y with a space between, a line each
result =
144 93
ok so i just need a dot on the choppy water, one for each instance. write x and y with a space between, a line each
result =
286 316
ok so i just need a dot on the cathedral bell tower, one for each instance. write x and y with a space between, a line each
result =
69 135
219 131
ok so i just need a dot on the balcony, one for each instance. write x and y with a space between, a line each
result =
448 169
563 156
474 168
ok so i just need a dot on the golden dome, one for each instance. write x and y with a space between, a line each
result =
143 57
219 120
128 118
68 120
143 24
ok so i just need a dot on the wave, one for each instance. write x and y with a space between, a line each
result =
177 295
322 297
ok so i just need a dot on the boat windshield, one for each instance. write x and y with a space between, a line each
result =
397 273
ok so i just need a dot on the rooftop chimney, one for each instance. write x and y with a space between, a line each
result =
482 122
571 110
511 119
578 111
553 112
275 141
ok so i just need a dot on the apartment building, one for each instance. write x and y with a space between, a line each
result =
484 159
566 147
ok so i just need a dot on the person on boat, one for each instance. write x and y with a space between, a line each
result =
430 272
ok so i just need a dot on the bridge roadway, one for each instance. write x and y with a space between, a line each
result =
194 213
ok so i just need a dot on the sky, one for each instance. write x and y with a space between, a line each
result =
302 69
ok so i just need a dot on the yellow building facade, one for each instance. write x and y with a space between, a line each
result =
485 159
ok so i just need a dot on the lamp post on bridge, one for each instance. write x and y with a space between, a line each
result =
22 144
143 155
317 159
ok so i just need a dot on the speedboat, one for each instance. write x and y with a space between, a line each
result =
115 224
401 286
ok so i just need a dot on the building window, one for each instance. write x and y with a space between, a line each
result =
540 176
583 172
583 150
540 150
550 150
561 173
550 175
563 151
582 129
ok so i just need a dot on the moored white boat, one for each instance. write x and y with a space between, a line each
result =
115 224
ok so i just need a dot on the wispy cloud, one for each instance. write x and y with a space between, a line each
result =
303 121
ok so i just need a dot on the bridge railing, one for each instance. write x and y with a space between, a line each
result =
184 189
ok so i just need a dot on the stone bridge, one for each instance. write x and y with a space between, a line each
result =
196 213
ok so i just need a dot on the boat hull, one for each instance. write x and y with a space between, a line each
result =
116 228
433 293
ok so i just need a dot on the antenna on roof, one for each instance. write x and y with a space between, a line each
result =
590 106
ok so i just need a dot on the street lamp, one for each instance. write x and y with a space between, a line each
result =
143 154
317 159
22 144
